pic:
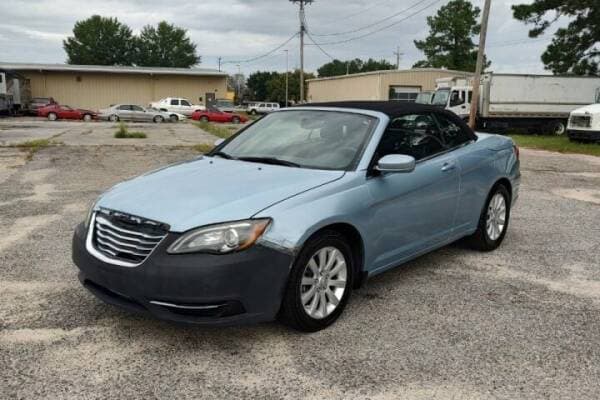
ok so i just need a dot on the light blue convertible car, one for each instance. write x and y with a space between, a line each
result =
284 219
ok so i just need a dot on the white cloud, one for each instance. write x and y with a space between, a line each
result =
242 29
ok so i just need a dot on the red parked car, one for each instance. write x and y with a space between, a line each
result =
57 111
214 115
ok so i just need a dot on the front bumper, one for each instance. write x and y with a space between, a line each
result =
579 134
205 289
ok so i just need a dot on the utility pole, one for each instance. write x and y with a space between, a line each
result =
479 68
287 77
398 55
220 58
302 30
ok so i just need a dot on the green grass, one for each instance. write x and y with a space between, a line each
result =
33 146
219 131
560 144
203 148
123 133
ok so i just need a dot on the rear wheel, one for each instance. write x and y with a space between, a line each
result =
320 283
174 118
253 112
235 120
204 118
493 221
87 117
113 118
158 119
557 128
52 116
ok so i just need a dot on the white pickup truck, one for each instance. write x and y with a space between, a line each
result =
177 105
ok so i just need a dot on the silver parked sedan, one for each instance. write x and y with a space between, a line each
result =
133 112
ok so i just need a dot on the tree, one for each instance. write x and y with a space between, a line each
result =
450 41
100 41
165 46
337 67
574 49
276 86
257 84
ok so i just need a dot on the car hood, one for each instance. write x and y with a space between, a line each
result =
591 109
211 190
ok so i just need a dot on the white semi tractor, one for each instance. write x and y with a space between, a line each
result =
537 103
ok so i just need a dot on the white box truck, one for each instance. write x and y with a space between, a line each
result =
539 103
15 93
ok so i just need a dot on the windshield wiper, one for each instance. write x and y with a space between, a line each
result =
223 155
270 160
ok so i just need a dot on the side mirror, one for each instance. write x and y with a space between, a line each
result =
396 163
219 141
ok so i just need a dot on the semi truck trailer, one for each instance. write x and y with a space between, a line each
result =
537 103
15 93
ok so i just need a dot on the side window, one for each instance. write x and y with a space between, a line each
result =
414 135
457 98
261 105
174 102
452 134
123 108
137 108
185 103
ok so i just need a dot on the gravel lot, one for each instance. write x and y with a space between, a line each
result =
522 322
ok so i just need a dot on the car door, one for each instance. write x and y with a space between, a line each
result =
412 212
139 114
174 106
471 159
458 103
66 112
124 112
186 107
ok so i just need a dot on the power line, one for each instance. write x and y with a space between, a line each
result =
373 24
362 11
516 42
319 47
383 28
263 55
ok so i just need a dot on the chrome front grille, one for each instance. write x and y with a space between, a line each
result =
127 239
581 121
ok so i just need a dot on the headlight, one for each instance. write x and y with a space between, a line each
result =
221 238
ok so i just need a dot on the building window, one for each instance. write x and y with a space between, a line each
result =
406 94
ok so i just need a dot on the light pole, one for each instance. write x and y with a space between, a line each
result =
287 77
479 68
302 30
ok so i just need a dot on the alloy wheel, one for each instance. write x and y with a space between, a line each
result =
496 217
323 282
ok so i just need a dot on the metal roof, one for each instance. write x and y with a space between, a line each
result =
111 69
392 71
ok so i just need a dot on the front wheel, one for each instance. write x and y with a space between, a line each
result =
557 128
320 283
204 118
174 118
253 112
52 116
114 118
87 117
493 221
235 120
158 119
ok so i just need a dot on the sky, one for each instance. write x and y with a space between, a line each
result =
241 30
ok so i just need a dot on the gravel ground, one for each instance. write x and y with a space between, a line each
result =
521 322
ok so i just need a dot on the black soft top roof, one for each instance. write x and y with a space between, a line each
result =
394 109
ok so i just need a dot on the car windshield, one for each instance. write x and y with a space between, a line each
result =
303 138
440 98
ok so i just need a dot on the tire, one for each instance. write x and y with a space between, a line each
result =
235 120
52 116
557 128
158 119
295 311
253 112
483 239
173 118
87 117
113 118
204 118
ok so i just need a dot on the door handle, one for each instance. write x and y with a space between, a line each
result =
448 166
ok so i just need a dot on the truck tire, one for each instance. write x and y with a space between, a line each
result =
557 128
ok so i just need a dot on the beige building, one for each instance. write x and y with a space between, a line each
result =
96 87
401 85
